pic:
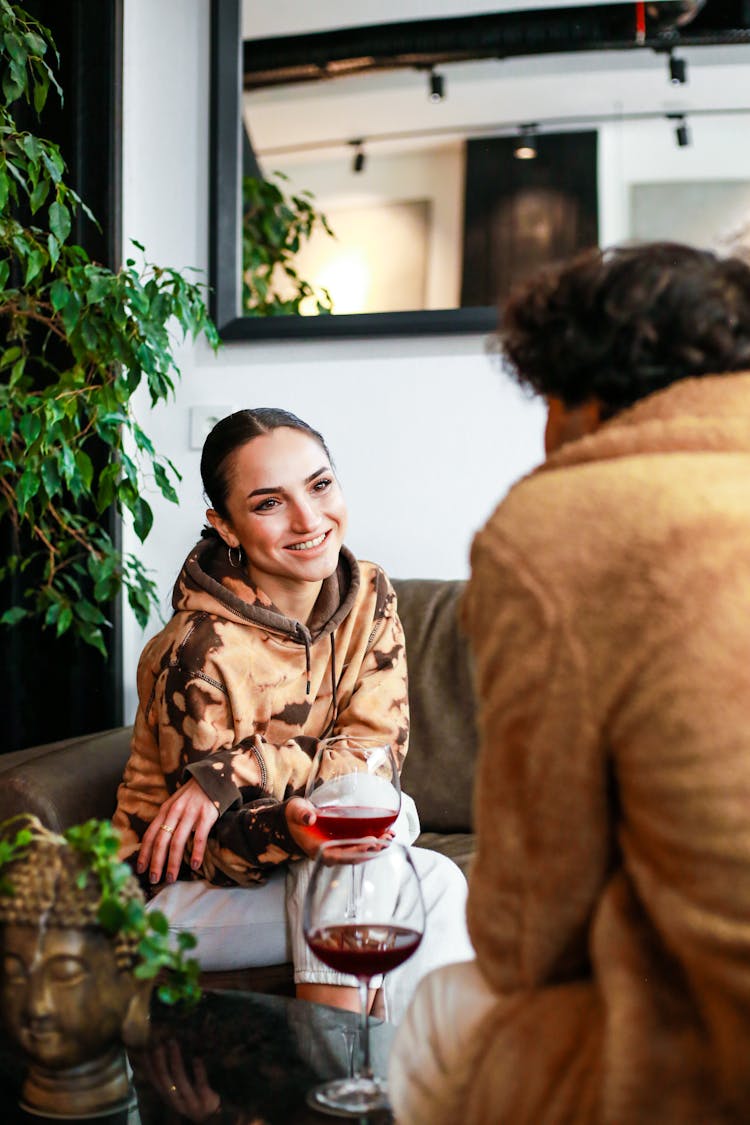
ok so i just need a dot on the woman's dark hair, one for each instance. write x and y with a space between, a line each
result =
234 431
616 325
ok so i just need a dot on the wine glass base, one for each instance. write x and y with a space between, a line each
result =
349 1097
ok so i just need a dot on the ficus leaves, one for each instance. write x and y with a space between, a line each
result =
274 227
78 340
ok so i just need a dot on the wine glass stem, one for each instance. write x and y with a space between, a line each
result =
355 892
365 1071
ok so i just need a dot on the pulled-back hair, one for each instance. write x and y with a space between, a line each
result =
230 434
616 325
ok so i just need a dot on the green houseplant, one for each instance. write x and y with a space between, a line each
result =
274 228
80 958
119 910
77 340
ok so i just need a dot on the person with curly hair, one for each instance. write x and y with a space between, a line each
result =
609 613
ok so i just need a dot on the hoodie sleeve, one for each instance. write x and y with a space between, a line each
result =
189 719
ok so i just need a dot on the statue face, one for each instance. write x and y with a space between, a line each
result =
63 997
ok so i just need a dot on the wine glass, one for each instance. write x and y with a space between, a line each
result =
383 930
355 787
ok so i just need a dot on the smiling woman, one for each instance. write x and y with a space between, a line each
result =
280 638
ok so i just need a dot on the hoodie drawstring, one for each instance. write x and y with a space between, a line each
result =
302 631
330 725
334 685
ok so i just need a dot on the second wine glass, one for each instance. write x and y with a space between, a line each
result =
383 930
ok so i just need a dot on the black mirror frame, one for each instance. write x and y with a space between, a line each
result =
225 222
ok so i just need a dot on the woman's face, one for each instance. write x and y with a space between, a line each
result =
285 508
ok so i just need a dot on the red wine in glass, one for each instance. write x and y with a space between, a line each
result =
363 950
355 787
345 822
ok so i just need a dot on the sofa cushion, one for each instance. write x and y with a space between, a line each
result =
458 846
439 768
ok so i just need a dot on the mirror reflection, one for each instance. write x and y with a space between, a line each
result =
430 202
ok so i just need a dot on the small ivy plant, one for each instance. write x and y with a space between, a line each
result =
274 227
97 842
78 339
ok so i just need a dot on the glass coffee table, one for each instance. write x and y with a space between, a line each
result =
239 1058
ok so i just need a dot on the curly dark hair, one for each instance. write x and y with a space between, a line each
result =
616 325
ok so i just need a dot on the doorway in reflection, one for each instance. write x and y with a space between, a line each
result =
521 214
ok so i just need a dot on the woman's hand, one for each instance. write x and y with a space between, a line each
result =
300 817
190 1095
188 812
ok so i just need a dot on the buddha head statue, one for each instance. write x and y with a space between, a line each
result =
66 984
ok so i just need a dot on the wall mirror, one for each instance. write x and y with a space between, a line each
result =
407 133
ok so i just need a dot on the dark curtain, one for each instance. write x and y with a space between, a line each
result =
59 688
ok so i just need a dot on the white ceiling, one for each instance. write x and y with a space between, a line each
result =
263 18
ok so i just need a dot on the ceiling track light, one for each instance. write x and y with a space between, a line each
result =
359 158
681 131
677 70
436 87
525 146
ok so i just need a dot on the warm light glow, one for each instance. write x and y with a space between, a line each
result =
524 152
347 279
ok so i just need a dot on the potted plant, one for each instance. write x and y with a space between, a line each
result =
80 956
78 339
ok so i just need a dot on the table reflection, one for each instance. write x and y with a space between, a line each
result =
236 1059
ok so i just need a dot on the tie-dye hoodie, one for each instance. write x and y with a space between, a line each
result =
235 694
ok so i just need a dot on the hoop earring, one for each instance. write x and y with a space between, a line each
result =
237 564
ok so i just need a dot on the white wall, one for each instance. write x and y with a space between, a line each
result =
434 174
645 152
426 432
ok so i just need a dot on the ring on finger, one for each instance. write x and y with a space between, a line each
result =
167 828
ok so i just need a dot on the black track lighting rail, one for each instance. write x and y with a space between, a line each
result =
326 55
505 128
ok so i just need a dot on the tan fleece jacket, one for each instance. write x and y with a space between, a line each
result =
609 611
236 694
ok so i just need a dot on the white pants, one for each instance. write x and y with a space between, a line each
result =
432 1059
240 927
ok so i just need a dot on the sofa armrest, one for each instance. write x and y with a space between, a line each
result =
65 783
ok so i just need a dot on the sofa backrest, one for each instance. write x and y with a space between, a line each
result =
67 782
439 768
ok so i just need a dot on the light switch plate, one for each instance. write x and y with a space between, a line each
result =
202 421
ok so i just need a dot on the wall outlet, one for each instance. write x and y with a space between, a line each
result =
202 421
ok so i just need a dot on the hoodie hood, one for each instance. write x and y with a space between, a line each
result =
208 583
